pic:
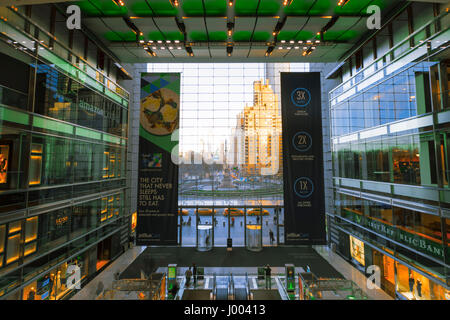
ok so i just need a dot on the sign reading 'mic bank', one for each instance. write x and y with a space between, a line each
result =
304 200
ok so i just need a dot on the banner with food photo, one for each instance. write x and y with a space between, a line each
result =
158 175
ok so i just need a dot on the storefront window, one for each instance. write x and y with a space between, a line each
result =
54 228
414 286
388 272
29 292
59 96
405 160
421 224
377 157
2 243
4 158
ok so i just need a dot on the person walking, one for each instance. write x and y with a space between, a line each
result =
268 277
188 275
411 283
419 288
194 273
271 237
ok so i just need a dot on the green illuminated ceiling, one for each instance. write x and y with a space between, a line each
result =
205 21
211 8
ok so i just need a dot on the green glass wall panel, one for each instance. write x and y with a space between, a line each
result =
250 7
52 125
313 7
88 133
120 36
213 36
198 36
104 7
59 62
359 7
13 116
88 8
247 36
112 139
218 36
113 96
212 7
170 35
162 8
339 35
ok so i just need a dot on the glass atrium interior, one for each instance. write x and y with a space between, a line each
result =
140 139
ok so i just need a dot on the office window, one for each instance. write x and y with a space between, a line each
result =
13 248
31 228
36 164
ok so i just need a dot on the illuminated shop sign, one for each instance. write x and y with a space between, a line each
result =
90 108
357 250
413 240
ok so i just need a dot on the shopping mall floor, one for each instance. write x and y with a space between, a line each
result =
140 261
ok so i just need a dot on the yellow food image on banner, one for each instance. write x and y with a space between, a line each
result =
160 112
151 103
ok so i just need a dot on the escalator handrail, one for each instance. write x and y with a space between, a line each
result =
214 287
247 287
231 285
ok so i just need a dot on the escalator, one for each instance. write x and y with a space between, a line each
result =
240 294
222 286
221 293
240 287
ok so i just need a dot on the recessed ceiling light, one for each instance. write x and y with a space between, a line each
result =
177 41
280 48
159 41
283 41
297 48
170 48
179 48
168 41
289 48
154 48
163 48
292 41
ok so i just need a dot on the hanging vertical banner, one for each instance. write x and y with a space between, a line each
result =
304 199
158 175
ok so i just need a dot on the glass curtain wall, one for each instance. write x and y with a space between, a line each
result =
230 149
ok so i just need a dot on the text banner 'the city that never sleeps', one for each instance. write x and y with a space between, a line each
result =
158 175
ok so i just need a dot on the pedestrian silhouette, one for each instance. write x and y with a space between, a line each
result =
271 236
